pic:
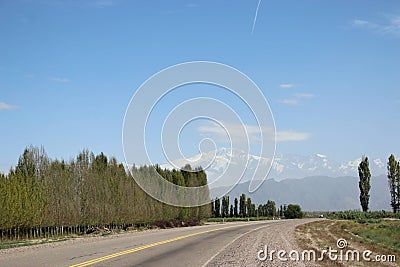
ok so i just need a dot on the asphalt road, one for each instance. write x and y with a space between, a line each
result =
191 246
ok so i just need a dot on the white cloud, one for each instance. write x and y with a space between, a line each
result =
393 27
285 136
254 132
304 95
5 106
289 101
363 23
390 26
286 85
58 79
296 98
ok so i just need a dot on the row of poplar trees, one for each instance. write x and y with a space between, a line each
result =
394 183
393 167
242 208
41 197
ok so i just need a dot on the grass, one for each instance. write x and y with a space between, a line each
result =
384 234
377 235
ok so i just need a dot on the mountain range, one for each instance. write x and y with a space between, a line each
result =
317 193
284 166
315 182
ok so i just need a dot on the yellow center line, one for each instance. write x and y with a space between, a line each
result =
107 257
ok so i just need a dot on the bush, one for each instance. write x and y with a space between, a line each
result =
176 223
293 212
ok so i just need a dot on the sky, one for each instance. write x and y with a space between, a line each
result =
328 69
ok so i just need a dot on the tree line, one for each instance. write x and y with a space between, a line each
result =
41 197
243 207
393 175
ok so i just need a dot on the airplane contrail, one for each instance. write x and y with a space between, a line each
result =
255 17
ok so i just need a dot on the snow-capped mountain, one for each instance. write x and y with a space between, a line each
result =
294 166
284 166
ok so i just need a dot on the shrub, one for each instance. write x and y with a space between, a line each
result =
293 212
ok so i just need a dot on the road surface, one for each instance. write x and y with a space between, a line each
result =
229 244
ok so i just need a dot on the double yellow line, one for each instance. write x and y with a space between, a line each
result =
87 263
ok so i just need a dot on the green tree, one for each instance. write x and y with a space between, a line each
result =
213 208
293 211
270 208
242 205
225 206
398 186
260 210
42 197
235 208
393 181
231 211
249 208
217 207
364 183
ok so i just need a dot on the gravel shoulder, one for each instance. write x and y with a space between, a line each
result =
243 251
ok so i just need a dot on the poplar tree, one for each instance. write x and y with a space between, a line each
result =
249 208
235 208
364 183
242 207
393 168
217 207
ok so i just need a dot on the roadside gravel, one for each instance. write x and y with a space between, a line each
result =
276 236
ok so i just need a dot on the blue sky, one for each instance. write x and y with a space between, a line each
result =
329 69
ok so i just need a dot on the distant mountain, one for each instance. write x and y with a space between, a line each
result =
315 182
317 193
294 166
285 166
